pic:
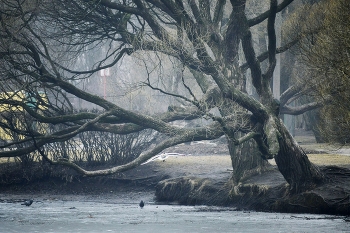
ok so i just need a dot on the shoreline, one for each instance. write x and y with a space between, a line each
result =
141 183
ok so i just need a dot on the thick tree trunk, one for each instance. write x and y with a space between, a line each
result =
294 164
246 160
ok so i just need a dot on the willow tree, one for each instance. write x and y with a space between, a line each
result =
213 42
324 52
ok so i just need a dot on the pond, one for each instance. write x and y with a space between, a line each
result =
98 216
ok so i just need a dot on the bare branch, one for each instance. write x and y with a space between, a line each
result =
266 14
271 42
262 57
245 138
301 109
290 93
198 134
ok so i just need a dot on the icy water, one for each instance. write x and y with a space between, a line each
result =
91 216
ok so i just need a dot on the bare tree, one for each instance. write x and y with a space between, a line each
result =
40 41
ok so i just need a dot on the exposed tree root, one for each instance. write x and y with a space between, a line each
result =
192 191
331 197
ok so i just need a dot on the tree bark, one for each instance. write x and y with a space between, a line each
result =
246 160
294 164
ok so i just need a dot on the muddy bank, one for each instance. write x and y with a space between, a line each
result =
141 179
267 191
196 180
264 192
193 180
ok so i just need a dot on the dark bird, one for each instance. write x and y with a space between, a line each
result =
27 202
142 204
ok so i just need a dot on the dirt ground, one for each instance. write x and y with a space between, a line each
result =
202 160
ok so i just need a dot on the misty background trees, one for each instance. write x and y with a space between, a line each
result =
123 67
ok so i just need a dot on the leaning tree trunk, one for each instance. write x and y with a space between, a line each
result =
246 160
294 164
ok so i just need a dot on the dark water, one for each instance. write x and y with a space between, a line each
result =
92 216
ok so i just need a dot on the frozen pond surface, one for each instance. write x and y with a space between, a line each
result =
91 216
